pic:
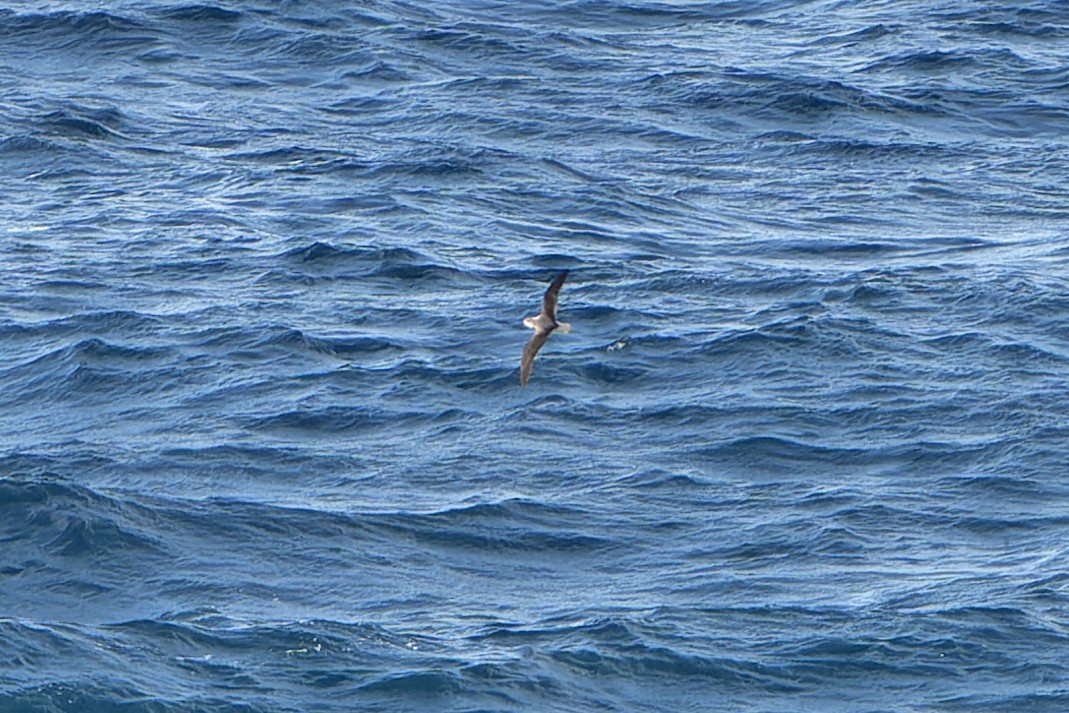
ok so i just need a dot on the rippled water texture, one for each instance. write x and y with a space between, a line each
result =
262 274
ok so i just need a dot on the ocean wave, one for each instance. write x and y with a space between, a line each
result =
68 521
271 343
20 146
498 528
329 421
89 370
82 123
327 260
201 14
87 31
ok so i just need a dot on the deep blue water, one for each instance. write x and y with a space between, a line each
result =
263 267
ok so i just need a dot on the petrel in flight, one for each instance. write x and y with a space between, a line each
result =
542 323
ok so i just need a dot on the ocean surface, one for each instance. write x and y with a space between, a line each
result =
263 266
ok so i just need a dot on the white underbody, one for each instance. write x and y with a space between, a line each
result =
540 322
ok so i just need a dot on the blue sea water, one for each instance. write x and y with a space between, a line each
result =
263 267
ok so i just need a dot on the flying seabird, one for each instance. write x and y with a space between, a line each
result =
542 323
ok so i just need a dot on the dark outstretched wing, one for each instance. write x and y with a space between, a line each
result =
533 345
549 300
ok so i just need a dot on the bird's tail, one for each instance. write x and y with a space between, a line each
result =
564 326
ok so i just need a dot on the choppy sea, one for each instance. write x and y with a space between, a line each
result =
263 266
